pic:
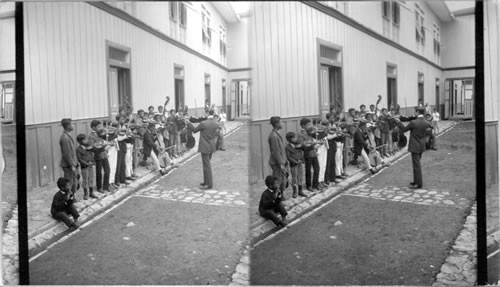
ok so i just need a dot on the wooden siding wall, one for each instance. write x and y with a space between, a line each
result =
285 69
44 153
259 152
491 140
66 73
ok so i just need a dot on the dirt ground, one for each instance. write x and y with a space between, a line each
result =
379 242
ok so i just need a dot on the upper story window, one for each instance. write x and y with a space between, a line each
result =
206 32
419 27
222 43
391 19
437 43
182 15
173 10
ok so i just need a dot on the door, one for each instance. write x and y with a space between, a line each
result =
447 91
324 91
336 98
7 102
224 95
232 112
421 93
437 95
179 94
391 93
468 88
113 92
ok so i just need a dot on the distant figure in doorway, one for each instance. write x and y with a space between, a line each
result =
62 204
417 145
277 159
208 138
69 160
271 202
435 121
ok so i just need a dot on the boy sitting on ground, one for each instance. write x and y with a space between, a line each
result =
62 204
270 202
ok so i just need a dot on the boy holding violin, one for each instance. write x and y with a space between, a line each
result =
97 137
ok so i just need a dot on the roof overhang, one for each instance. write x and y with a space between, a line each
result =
440 9
226 11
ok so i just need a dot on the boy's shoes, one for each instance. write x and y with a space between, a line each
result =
282 224
315 189
130 178
301 193
75 225
100 190
93 195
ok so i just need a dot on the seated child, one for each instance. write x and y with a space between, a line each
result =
270 202
295 156
62 204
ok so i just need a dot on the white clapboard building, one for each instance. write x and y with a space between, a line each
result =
84 60
310 56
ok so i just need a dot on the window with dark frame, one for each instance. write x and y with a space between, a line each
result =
386 9
395 13
173 10
182 15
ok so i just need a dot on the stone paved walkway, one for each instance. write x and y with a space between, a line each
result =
406 194
195 195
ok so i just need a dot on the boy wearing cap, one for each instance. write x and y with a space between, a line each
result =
69 161
295 156
270 202
86 159
97 136
277 159
310 154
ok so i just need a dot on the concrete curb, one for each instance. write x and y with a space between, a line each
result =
56 230
459 268
263 228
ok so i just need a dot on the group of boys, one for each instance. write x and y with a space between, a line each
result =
322 146
107 153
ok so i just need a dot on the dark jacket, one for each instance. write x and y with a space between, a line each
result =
359 142
417 134
149 143
85 157
209 130
294 155
68 151
61 202
309 151
383 124
277 149
99 153
270 199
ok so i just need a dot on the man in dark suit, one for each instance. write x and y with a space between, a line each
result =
69 161
277 158
208 137
417 145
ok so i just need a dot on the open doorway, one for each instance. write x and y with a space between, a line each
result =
119 79
392 93
240 98
459 98
179 101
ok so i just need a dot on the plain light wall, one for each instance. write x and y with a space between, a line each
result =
237 45
458 44
66 73
7 44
